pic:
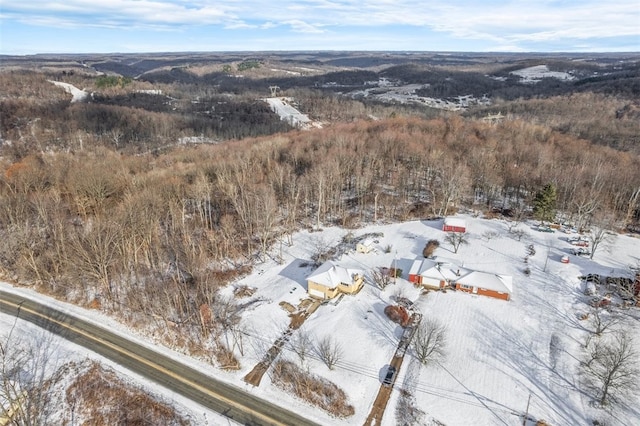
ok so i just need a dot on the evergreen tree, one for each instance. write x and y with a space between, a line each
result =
544 203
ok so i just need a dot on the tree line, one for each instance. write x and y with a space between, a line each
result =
105 219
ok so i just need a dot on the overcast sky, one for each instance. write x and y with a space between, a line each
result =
85 26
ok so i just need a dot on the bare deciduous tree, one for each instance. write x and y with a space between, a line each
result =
329 351
430 340
489 235
611 367
321 250
95 251
26 375
602 320
301 344
600 235
456 239
382 277
519 233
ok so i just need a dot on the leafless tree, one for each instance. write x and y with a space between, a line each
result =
26 375
382 277
321 250
329 351
611 368
601 235
518 233
430 340
227 316
602 320
94 253
489 235
456 239
301 344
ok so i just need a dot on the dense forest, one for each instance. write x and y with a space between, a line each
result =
101 205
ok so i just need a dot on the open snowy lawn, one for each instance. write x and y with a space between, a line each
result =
499 352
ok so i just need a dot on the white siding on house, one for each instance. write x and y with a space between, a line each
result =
316 293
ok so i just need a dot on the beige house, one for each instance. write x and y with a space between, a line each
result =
329 280
365 246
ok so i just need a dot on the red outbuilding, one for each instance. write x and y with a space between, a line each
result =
454 224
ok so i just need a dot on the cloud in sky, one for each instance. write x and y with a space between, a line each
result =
317 24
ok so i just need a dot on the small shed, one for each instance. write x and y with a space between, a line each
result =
454 224
365 246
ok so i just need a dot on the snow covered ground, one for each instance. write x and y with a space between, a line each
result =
284 109
538 72
394 91
77 94
498 352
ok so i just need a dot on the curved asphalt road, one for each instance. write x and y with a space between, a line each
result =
211 393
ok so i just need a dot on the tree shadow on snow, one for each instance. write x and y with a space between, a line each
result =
549 385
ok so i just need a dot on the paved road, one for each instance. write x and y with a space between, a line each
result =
207 391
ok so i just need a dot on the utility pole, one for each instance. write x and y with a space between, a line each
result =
395 271
526 413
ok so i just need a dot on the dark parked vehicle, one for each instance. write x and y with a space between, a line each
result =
390 377
545 229
580 251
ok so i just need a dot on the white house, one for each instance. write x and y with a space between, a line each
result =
435 273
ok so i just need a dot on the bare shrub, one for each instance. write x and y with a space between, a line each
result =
430 247
226 358
102 399
408 411
313 389
531 250
489 235
243 291
519 233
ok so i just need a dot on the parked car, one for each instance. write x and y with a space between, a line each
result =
579 241
390 377
580 251
545 229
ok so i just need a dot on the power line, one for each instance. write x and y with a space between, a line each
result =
421 387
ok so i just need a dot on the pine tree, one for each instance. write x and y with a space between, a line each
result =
544 203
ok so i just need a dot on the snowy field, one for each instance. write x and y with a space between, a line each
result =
538 72
498 352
